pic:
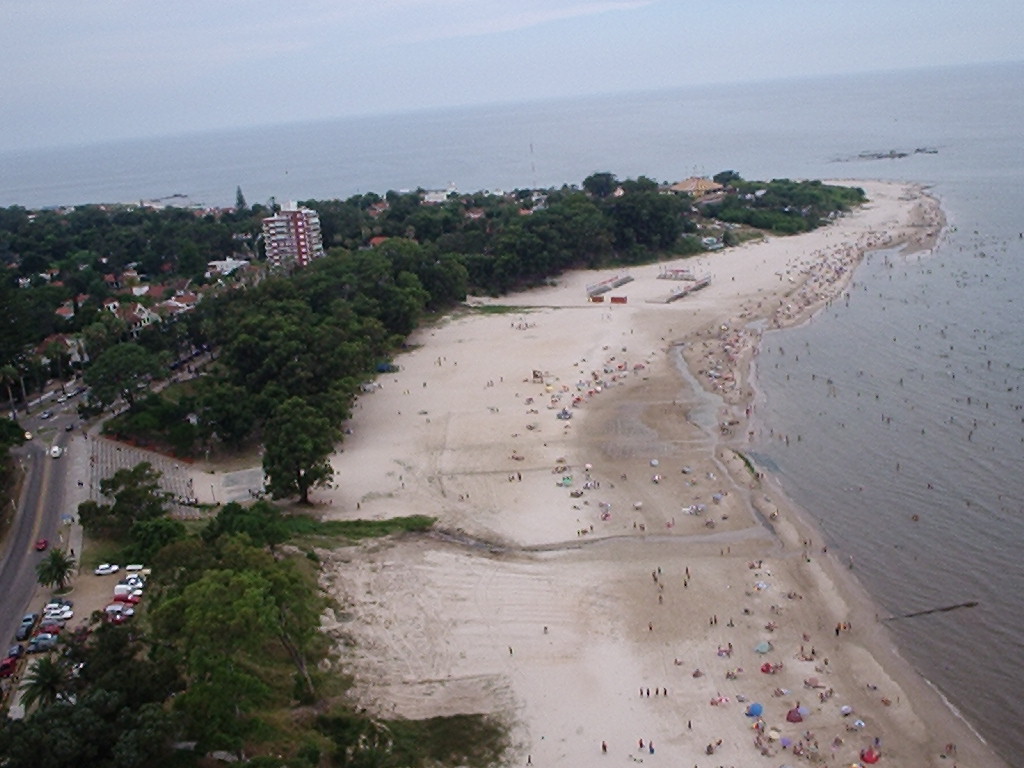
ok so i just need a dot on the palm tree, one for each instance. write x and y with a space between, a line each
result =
9 374
47 682
20 373
55 353
57 568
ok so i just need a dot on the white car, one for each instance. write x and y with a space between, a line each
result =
106 569
60 613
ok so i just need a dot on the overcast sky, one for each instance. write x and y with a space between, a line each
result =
82 71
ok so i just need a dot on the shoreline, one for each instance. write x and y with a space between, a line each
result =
443 441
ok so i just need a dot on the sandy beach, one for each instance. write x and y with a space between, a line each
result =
622 575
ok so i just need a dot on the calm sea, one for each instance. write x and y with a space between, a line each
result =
903 405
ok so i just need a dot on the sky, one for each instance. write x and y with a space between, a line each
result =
78 72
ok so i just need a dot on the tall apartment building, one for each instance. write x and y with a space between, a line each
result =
292 237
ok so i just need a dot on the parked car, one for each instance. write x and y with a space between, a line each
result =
69 427
63 613
130 599
7 666
119 608
50 627
40 643
42 544
28 622
106 569
17 651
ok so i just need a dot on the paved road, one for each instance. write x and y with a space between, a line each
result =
38 517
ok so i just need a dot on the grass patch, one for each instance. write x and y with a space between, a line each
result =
354 530
749 464
476 741
101 550
498 309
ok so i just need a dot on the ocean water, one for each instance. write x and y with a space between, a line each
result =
903 402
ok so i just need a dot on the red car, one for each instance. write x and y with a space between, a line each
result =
130 599
7 666
41 545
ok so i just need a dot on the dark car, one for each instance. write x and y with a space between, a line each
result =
16 651
28 621
69 427
41 643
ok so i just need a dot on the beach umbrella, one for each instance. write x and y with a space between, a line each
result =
654 462
755 709
767 668
870 755
763 647
785 741
803 711
794 716
845 710
773 734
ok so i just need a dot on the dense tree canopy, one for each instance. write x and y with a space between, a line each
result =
119 372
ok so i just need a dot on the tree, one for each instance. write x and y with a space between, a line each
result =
55 352
600 184
9 374
239 199
56 568
47 682
725 178
150 536
136 495
220 624
227 411
298 444
119 372
262 522
11 434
